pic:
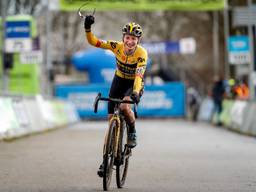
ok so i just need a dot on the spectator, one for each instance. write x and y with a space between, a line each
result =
230 91
193 101
241 90
218 92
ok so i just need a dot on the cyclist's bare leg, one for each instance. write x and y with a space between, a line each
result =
128 113
130 120
109 117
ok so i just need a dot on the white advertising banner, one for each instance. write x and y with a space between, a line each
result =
33 57
14 45
187 45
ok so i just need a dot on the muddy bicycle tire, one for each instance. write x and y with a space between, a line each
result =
108 159
122 167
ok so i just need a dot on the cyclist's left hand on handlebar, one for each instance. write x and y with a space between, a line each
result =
135 97
88 21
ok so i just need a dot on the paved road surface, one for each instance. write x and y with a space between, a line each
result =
172 155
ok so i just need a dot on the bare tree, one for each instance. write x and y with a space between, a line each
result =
68 37
30 7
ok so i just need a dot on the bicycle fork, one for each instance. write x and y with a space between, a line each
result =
116 133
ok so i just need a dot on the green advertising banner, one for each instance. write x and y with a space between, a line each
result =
24 78
144 5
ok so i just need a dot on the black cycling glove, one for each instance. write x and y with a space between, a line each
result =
88 21
135 97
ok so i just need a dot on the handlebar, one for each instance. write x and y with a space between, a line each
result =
119 101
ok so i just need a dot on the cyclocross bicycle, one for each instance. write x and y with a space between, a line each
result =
116 152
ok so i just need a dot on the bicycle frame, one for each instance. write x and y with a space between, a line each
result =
113 145
115 117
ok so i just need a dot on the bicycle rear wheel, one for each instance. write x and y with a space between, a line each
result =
124 154
108 159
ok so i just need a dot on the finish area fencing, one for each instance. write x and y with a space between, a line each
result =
21 116
237 115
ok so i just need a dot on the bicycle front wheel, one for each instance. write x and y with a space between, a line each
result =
108 158
124 154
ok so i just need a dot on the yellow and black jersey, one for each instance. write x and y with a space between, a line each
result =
128 67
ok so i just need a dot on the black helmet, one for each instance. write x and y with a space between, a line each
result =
132 29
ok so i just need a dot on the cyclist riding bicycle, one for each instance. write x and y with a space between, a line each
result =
131 61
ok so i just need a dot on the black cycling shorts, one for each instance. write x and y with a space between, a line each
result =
120 88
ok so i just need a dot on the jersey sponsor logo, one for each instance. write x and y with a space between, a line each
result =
141 60
140 71
126 68
134 65
113 44
139 75
98 43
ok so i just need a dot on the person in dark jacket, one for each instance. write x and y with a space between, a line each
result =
218 92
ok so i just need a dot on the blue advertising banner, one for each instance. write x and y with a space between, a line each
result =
83 96
239 50
183 46
163 100
162 47
238 44
166 100
18 29
172 47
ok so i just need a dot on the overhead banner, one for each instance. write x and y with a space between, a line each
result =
147 5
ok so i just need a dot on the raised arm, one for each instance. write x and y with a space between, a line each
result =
92 39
